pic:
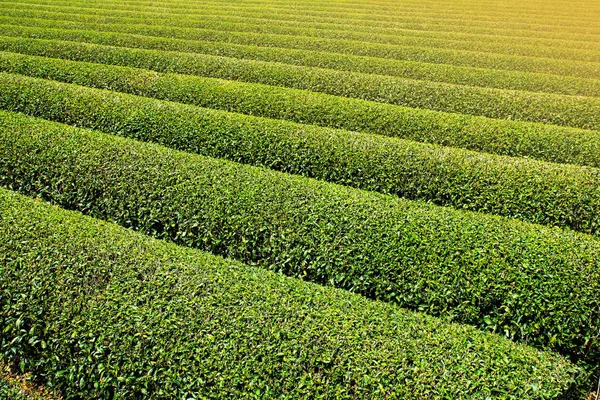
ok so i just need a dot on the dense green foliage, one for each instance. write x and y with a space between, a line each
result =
573 111
452 126
221 20
234 25
102 312
552 194
464 75
528 282
546 142
569 26
584 69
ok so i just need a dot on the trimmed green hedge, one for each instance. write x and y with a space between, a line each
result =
102 312
502 79
582 69
281 15
513 138
222 20
533 284
573 111
345 18
551 194
261 18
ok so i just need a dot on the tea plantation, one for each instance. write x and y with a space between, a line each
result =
352 199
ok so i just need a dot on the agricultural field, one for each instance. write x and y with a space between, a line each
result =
350 199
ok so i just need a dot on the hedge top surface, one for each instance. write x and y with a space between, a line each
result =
131 316
262 16
548 108
362 60
534 284
583 69
503 79
224 21
515 138
529 190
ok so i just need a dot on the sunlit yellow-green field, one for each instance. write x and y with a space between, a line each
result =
300 199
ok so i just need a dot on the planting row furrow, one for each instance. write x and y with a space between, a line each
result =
551 194
103 312
533 284
226 23
563 110
581 69
501 79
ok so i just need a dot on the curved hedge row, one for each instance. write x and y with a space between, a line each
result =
557 17
489 27
570 24
529 190
582 69
493 78
264 17
544 142
571 111
103 312
533 284
226 23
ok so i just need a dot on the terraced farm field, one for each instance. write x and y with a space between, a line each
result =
300 199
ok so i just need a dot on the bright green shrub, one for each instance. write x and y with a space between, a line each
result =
502 79
506 26
223 21
582 69
261 17
552 194
545 142
574 111
102 312
531 283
